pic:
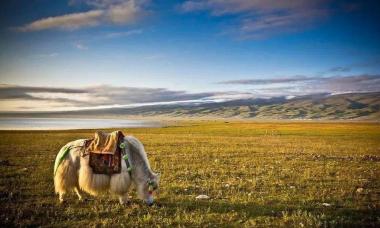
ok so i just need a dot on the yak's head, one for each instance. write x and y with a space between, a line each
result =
149 188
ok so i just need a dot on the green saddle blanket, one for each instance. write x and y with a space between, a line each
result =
60 156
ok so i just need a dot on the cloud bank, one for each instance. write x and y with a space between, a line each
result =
268 81
301 85
111 12
19 98
27 98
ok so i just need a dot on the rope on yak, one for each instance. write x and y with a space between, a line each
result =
125 158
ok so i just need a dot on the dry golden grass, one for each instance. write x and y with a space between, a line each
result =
263 174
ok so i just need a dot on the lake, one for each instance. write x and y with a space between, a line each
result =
70 123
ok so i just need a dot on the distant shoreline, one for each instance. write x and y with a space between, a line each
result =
26 124
168 118
63 123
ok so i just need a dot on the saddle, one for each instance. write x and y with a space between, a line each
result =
105 153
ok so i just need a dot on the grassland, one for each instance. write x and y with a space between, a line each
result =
257 174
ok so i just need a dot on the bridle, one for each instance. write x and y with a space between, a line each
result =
151 187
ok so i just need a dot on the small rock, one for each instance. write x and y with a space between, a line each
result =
292 187
359 190
24 169
326 204
202 197
227 185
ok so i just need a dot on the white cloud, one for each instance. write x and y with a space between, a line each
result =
75 97
124 33
68 21
126 12
49 55
273 24
261 18
113 12
81 46
221 7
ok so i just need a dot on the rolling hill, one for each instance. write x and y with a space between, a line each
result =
353 106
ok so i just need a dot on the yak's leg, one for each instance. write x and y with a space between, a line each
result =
61 199
76 190
123 199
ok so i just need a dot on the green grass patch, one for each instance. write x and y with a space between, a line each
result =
256 174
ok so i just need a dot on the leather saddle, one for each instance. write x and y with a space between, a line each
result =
105 153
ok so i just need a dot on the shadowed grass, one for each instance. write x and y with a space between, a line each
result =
264 174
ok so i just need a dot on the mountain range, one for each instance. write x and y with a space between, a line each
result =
349 106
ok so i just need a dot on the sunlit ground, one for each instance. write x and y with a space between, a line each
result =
300 174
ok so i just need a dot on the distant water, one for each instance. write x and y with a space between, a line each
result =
70 123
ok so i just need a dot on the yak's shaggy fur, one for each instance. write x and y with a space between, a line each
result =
75 174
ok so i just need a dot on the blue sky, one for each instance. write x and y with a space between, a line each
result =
164 51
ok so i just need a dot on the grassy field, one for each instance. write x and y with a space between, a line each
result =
256 174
